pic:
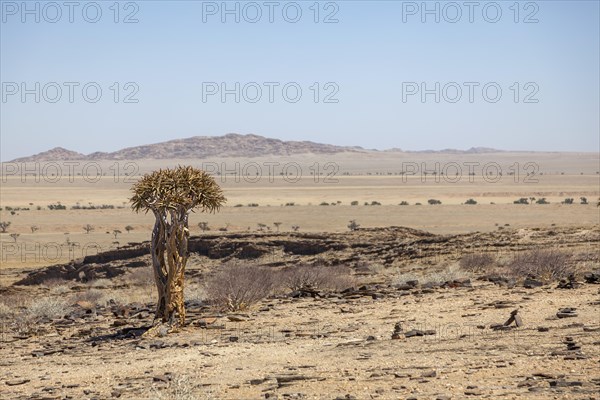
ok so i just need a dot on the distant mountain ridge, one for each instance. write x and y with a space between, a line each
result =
230 145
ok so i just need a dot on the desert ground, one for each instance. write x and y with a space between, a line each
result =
412 304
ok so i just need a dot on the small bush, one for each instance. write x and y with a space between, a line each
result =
403 203
542 201
354 203
236 287
471 201
434 201
522 200
477 261
449 274
46 307
541 263
316 277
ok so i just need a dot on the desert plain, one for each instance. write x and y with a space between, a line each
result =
413 303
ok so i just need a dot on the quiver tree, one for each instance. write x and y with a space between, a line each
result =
171 194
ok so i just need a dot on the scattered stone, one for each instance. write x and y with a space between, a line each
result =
429 374
397 331
565 383
566 312
532 283
543 329
592 277
514 317
569 283
417 332
236 318
233 338
473 391
17 382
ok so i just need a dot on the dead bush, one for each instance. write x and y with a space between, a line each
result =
93 296
477 262
318 277
548 264
236 287
449 274
143 276
46 307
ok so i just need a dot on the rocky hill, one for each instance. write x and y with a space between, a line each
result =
230 145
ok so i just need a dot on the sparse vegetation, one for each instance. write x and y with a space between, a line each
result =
15 236
354 203
236 287
522 200
477 262
129 228
471 202
353 225
542 200
34 228
547 264
88 228
568 200
316 277
434 201
403 203
4 226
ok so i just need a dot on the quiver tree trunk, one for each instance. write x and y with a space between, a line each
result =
169 256
171 194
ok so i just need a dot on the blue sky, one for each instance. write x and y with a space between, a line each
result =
371 61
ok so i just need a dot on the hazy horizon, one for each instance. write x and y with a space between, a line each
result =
516 76
302 140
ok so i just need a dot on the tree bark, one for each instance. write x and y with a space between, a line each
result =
169 257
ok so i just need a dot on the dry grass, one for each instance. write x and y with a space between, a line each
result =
547 264
236 287
449 274
318 277
477 262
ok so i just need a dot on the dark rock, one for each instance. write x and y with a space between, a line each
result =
560 383
17 382
569 312
592 277
532 283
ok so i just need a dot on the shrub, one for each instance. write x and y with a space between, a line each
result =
324 203
403 203
354 203
542 201
449 274
434 201
375 203
568 200
522 200
316 277
471 201
477 261
353 225
46 307
541 263
236 287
